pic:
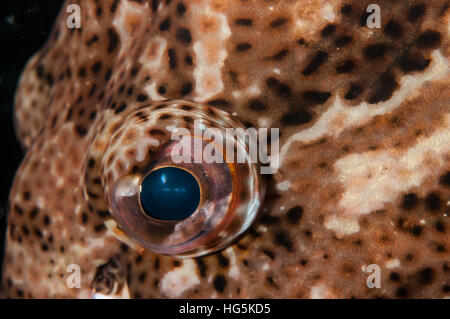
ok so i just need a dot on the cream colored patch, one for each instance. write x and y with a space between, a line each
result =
392 263
175 282
374 178
234 269
129 18
283 186
262 229
328 13
253 90
342 225
340 117
152 60
264 122
112 230
210 50
320 292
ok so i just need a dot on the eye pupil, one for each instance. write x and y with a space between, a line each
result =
170 193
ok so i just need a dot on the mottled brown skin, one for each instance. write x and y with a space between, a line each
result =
77 90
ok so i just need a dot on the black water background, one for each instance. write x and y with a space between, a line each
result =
24 28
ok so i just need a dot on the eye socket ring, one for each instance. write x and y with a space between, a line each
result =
230 195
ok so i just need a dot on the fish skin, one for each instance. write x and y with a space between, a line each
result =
364 118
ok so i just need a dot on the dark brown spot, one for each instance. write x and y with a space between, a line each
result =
346 9
172 58
343 41
375 51
426 276
165 24
409 63
141 98
416 11
328 30
409 201
393 29
444 180
220 282
81 130
394 276
186 89
319 58
181 9
201 266
99 228
113 40
278 22
316 97
296 117
429 39
184 35
223 261
281 238
120 108
257 105
244 22
240 47
96 67
384 88
345 66
353 92
433 201
295 214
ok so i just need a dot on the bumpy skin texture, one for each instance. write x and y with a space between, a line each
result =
364 116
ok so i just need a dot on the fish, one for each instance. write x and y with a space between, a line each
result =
358 207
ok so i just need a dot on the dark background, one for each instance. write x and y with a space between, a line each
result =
24 28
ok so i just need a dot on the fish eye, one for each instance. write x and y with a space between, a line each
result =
169 193
172 207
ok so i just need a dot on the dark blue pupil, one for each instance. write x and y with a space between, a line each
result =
170 193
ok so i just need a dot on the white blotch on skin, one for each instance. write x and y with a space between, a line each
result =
392 263
374 178
151 91
328 13
342 225
320 292
152 60
283 186
262 228
175 282
250 91
264 122
234 269
208 69
124 11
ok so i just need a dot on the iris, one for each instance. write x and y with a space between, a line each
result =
170 193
